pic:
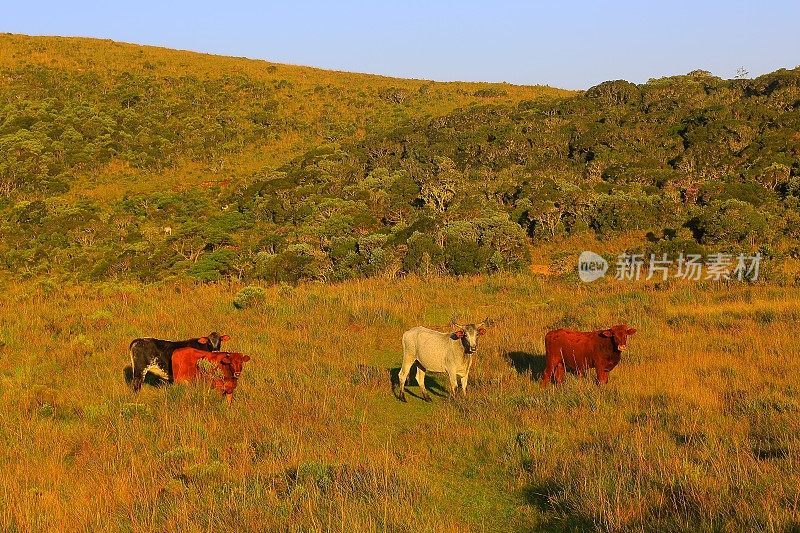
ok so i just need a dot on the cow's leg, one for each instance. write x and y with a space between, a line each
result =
409 358
548 373
137 381
560 373
465 378
421 383
451 375
404 371
464 381
138 377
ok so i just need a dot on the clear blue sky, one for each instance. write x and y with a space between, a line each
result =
566 44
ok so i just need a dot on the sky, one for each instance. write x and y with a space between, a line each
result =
569 44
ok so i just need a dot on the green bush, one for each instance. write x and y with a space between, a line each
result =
212 266
250 296
730 221
423 255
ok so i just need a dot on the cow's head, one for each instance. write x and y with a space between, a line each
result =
469 335
214 340
619 334
230 363
237 361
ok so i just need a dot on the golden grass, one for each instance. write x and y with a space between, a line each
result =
698 428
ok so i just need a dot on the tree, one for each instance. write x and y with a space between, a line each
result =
729 222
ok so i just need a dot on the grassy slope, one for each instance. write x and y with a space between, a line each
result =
308 95
697 429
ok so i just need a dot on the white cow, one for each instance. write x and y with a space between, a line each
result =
434 351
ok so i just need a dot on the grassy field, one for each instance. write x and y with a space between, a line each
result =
697 430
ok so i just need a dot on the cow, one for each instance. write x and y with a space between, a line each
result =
434 351
225 378
230 365
155 355
582 350
185 364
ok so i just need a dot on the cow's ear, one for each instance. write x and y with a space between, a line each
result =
459 333
246 358
225 338
481 331
607 333
631 331
203 340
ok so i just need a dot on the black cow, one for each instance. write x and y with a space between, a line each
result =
155 355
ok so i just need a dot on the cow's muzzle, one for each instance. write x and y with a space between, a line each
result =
237 374
622 347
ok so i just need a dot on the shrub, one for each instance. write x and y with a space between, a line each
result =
296 263
250 296
730 221
466 257
424 255
212 266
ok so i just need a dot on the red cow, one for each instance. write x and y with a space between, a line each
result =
582 350
229 364
184 364
226 378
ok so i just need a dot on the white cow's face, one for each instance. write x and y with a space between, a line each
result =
469 335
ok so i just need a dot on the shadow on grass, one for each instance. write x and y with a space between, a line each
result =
527 363
149 379
431 383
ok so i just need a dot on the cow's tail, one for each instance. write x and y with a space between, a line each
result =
130 353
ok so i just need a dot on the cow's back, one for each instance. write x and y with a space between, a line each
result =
148 350
432 347
577 349
184 363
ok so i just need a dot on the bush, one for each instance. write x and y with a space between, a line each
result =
467 257
297 263
250 296
731 221
212 266
424 255
614 92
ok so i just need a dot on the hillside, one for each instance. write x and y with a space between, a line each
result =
182 118
121 161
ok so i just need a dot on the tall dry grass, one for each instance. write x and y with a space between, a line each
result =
697 430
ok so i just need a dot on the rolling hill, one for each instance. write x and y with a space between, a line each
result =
129 162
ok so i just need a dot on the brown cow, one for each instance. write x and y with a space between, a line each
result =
228 364
582 350
184 364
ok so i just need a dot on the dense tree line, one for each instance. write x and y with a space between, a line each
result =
695 161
